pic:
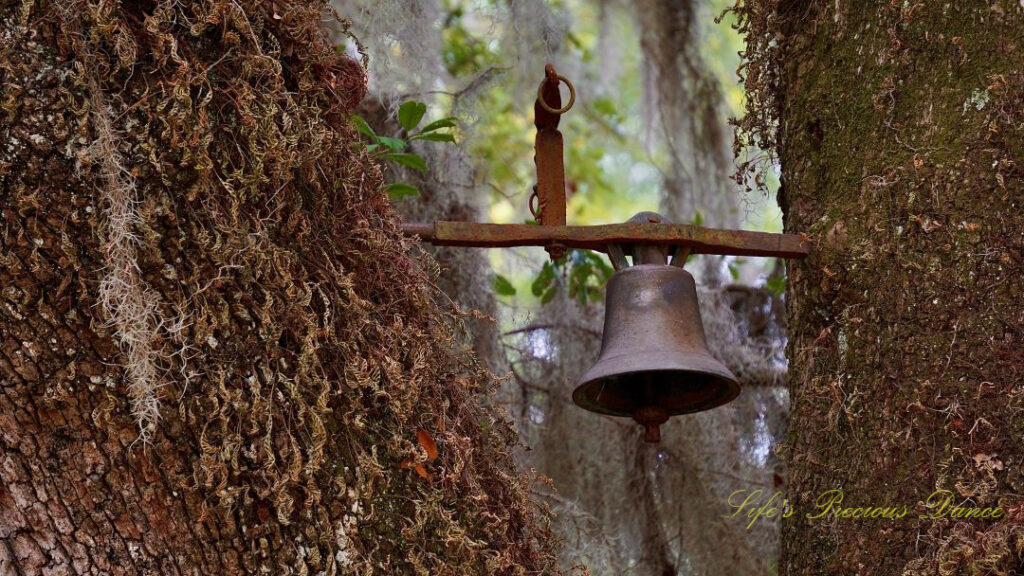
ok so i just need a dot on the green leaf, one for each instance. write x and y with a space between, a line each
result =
413 161
400 191
606 107
776 285
548 296
395 144
588 272
601 264
734 271
410 114
363 127
578 282
438 124
503 287
435 137
544 280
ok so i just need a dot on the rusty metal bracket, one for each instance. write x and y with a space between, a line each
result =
550 212
699 240
548 154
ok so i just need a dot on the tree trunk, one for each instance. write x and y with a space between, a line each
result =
216 356
900 139
684 114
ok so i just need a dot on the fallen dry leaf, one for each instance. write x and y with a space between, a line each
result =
427 442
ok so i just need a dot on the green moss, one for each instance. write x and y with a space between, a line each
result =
904 190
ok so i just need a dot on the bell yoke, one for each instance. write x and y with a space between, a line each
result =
654 361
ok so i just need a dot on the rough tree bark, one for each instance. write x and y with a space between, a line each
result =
900 131
216 356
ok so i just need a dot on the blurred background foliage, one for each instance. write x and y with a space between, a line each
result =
613 168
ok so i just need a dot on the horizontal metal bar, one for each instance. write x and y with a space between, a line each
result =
699 240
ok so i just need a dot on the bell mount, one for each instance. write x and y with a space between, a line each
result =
648 237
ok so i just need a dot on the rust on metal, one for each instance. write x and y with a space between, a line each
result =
700 240
651 418
551 76
654 360
556 237
550 190
547 114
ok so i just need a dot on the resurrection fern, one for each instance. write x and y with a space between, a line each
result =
757 130
254 305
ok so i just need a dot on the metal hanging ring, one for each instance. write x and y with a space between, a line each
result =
563 109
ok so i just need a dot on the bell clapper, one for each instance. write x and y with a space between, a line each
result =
649 414
651 418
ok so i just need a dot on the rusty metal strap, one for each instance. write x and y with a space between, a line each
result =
550 178
698 239
549 153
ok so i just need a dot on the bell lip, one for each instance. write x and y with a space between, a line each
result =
727 386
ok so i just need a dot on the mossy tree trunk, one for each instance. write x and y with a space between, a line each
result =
216 355
901 138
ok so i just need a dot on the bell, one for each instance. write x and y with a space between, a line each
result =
654 360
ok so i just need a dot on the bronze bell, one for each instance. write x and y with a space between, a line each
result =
654 360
